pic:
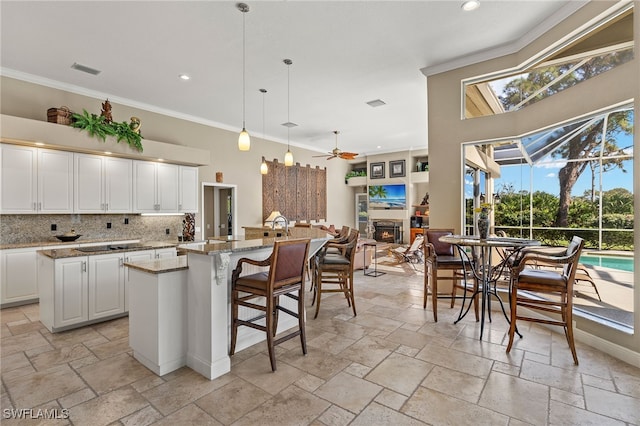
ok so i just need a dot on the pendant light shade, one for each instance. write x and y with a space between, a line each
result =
244 141
288 157
264 169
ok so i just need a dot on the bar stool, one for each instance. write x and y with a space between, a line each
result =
285 277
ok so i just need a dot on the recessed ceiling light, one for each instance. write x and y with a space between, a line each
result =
470 5
40 143
184 77
107 152
379 146
289 124
84 68
376 103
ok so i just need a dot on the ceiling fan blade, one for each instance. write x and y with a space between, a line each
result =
348 155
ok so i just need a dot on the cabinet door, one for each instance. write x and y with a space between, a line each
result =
88 185
118 185
167 187
134 256
19 275
55 181
70 291
144 187
166 252
106 285
188 187
18 179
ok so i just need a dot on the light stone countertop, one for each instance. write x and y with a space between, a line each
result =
63 243
238 244
160 266
73 252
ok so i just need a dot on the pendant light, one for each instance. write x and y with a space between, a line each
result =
288 157
244 141
264 169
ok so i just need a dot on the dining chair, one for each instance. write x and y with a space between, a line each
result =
285 277
439 257
546 290
333 271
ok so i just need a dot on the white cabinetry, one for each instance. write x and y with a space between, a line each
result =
35 180
19 275
102 184
188 189
166 252
134 256
66 293
155 187
106 285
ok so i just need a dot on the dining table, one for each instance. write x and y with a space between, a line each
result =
484 272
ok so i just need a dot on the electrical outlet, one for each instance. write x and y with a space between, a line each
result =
126 220
108 225
54 227
167 231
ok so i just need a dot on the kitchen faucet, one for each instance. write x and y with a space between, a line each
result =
286 223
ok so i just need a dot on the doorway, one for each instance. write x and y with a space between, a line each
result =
219 210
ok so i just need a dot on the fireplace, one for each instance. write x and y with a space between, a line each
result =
388 232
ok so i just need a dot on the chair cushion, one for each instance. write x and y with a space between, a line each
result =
442 249
257 280
335 259
541 276
451 261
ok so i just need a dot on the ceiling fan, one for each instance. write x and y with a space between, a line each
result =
336 152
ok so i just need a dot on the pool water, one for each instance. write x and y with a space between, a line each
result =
613 262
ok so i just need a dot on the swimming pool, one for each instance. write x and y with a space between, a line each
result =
613 262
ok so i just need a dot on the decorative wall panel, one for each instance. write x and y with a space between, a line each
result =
299 193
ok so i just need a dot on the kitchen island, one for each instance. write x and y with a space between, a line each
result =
208 297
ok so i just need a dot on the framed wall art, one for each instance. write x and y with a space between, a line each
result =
376 171
396 168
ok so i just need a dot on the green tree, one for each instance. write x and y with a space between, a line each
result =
377 191
543 82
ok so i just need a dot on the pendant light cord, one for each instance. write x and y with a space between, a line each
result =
244 56
288 102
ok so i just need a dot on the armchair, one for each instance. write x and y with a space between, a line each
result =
553 289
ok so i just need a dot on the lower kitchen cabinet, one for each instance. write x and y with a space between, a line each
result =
166 252
18 276
106 285
63 285
135 256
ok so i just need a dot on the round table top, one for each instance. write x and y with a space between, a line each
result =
474 240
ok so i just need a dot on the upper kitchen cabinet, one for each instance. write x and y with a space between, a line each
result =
102 184
35 180
188 190
155 187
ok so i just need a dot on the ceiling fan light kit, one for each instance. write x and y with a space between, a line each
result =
338 153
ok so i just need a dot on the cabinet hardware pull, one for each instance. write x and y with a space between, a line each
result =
106 206
39 206
34 206
84 266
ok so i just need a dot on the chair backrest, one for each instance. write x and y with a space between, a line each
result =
343 236
288 261
432 236
351 243
416 245
575 247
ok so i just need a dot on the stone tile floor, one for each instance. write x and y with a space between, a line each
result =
390 365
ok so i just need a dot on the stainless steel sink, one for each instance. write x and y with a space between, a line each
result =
109 247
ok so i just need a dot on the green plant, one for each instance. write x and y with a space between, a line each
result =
97 127
355 173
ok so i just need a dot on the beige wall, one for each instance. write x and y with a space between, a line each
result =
24 99
447 131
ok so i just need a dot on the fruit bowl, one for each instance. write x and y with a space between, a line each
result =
67 238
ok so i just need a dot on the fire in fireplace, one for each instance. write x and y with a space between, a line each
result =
388 232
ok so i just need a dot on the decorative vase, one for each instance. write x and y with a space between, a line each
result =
483 227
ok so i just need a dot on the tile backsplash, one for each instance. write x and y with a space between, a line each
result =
30 228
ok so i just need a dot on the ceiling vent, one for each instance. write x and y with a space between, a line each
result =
376 103
84 68
289 124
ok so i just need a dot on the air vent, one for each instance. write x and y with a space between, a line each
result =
84 68
289 124
376 103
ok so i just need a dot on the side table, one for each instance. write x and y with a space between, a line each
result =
375 272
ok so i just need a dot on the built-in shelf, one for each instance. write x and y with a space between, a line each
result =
25 131
419 177
357 181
